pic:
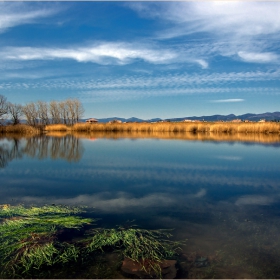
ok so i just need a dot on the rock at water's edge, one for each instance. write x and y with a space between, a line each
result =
140 270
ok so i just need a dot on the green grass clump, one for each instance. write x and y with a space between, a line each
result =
8 211
136 244
28 237
148 247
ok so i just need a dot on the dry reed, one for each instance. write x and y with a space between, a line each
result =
171 127
268 127
57 127
19 129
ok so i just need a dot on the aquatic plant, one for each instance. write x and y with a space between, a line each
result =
135 244
148 247
30 240
28 236
7 210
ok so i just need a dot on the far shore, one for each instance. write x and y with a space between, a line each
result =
174 127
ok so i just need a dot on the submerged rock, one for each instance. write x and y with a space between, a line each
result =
201 262
144 270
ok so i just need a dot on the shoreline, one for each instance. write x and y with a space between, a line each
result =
219 132
175 127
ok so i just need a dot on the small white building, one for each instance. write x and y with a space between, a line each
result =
92 120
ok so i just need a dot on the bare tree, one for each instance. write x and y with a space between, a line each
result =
54 112
3 107
64 114
71 111
79 109
31 113
42 108
15 111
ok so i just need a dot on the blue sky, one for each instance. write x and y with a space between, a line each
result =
143 59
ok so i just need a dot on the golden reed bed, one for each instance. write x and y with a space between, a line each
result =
19 129
268 132
217 127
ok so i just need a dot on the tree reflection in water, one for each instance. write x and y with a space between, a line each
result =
10 151
41 147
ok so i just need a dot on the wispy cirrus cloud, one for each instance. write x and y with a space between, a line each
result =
265 57
230 158
128 94
204 64
231 28
104 53
145 85
145 80
228 100
18 13
222 18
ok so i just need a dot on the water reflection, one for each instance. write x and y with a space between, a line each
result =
268 138
67 147
223 196
10 152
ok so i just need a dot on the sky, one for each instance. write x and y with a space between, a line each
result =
143 59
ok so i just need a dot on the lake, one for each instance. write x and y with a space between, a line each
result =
222 196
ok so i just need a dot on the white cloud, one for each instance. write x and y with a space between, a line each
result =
228 100
215 82
228 27
232 18
145 85
231 158
17 13
202 63
104 53
258 57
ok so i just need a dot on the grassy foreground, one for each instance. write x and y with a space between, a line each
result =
218 127
30 241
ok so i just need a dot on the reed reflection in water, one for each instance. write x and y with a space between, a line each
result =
268 138
66 147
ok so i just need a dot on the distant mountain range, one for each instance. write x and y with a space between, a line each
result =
251 117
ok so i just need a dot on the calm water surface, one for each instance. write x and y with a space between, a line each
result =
221 196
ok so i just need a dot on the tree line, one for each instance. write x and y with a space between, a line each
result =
67 111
